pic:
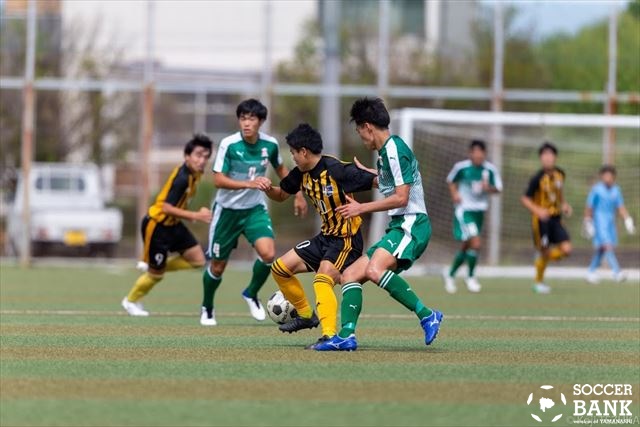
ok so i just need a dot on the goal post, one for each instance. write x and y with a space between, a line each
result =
440 138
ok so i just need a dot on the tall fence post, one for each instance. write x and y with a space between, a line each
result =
28 120
497 143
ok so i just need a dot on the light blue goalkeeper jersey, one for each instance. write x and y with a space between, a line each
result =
397 165
242 161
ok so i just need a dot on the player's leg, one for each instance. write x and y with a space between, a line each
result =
540 231
223 238
472 259
612 261
258 230
283 272
460 233
154 255
190 254
596 261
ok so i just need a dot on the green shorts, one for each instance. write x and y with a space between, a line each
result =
467 224
228 224
406 238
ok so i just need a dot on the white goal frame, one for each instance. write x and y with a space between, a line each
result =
403 121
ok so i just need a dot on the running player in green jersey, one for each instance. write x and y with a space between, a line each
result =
470 183
240 207
407 233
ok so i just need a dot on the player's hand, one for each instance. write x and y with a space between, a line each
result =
588 230
456 199
262 183
351 209
300 207
567 209
363 167
629 225
543 214
203 215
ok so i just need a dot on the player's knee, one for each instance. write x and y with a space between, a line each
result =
475 243
373 272
278 268
217 268
566 248
268 257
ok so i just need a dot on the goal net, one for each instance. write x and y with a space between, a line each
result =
441 138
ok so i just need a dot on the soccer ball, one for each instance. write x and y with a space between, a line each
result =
279 309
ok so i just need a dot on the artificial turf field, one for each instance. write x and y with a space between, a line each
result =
69 355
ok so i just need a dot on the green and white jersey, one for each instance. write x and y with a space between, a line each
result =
469 178
398 166
242 161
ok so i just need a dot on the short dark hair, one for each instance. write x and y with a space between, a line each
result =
547 146
608 168
478 143
304 136
252 107
370 110
198 140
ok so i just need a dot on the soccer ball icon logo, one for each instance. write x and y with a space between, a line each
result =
544 401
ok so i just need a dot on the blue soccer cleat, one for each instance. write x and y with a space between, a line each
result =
431 326
338 344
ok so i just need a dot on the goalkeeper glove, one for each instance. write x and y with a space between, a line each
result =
588 230
628 224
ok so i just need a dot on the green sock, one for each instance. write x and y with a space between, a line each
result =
458 260
472 259
350 308
260 273
210 284
401 291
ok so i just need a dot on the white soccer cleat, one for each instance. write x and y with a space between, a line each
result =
592 278
449 283
206 319
473 285
134 308
541 288
255 307
620 277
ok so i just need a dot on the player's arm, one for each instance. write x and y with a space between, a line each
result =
289 185
353 178
527 199
362 167
300 206
564 205
399 199
624 213
223 181
177 190
455 195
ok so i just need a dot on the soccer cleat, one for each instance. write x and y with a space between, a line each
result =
255 308
592 278
449 283
541 288
208 318
134 308
431 326
300 323
335 343
320 340
620 277
472 284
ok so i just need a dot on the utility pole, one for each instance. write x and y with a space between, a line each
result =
497 137
267 72
147 120
609 140
28 119
330 99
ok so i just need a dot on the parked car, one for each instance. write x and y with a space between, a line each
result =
68 212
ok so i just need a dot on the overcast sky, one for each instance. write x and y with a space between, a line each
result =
228 34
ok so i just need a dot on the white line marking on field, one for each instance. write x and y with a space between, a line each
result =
475 317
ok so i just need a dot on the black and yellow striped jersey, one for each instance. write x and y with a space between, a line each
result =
545 190
177 191
326 185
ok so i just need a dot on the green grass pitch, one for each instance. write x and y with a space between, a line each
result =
69 356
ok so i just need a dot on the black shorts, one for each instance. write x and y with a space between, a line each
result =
159 240
340 251
549 232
